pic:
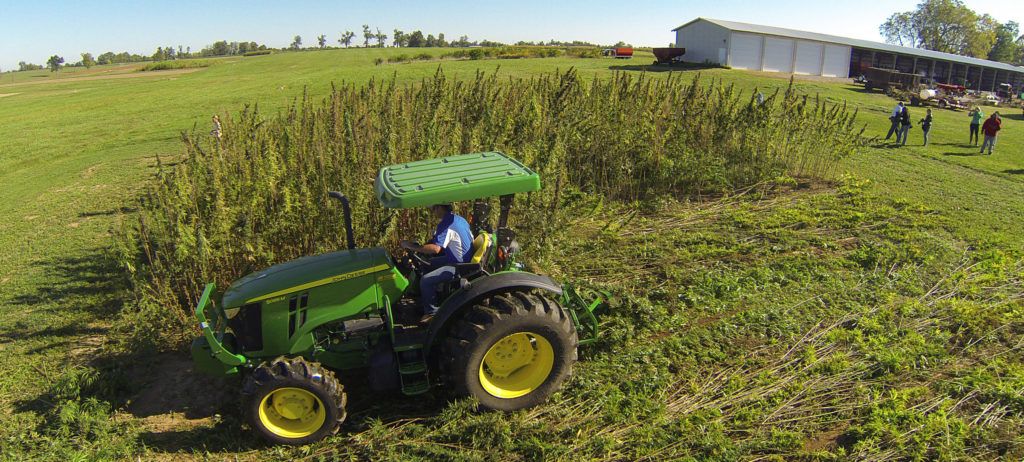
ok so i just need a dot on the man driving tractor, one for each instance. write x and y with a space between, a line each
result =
452 237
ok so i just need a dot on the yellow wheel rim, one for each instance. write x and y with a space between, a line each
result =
516 365
292 412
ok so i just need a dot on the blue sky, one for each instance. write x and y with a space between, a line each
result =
35 29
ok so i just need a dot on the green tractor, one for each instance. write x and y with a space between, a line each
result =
294 331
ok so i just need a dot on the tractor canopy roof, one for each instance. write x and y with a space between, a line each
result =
452 179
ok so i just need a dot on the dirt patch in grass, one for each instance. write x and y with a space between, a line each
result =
87 346
174 395
131 75
4 95
827 440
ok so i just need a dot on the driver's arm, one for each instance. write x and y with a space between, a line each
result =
428 249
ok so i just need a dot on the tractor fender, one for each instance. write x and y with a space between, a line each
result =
482 288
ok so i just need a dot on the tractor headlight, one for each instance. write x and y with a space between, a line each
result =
232 312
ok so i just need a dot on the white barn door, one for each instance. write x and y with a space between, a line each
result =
837 61
778 55
808 58
745 52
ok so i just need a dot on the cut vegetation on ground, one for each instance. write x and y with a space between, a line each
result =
865 309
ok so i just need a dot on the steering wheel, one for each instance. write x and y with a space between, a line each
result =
417 258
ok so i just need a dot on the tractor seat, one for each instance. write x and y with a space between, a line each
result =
481 254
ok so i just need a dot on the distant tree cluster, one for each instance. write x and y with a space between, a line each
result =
225 48
54 63
950 26
219 48
371 37
374 37
558 43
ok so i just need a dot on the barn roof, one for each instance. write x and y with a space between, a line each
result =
857 43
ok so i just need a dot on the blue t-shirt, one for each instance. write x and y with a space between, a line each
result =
454 236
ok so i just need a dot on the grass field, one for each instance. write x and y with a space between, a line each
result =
876 317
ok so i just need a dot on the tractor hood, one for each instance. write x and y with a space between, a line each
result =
305 273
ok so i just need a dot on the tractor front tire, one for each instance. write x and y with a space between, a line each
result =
293 401
511 351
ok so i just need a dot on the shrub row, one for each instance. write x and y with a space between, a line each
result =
177 64
258 195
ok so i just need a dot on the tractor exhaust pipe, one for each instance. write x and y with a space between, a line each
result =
347 211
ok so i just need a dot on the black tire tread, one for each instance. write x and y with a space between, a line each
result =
486 314
283 368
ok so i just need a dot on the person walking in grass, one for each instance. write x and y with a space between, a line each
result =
904 130
894 119
991 130
926 125
976 118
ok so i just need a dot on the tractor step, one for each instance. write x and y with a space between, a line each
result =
417 388
412 368
409 339
410 347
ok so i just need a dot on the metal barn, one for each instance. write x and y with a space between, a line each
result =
774 49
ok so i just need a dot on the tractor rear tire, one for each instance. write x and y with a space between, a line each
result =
293 401
511 351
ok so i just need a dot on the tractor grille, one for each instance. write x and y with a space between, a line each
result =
297 312
248 327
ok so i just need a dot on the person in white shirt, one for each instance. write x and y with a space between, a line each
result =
895 119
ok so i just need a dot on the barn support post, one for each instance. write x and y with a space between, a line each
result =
792 62
821 71
949 72
764 43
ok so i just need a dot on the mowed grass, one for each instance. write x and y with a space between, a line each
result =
75 149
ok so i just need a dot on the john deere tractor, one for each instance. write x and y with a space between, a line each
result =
297 331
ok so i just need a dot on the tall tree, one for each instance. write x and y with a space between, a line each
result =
54 63
441 42
942 25
1019 58
87 60
899 30
322 40
416 39
1006 47
367 35
399 38
346 38
381 38
984 38
296 43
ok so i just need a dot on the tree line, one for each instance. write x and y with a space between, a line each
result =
219 48
371 37
949 26
375 37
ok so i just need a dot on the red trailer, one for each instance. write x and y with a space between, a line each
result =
619 52
952 90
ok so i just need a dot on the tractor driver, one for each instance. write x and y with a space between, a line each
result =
452 244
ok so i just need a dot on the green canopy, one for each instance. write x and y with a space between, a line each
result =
452 179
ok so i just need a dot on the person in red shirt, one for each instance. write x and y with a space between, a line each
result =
991 130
